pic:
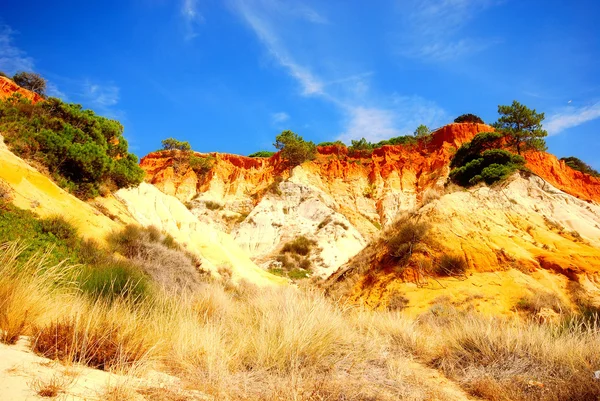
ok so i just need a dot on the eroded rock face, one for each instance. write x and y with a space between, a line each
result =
217 250
365 194
8 88
523 235
299 210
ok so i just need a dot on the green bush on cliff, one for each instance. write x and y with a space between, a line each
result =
294 149
483 160
580 165
468 118
82 151
262 153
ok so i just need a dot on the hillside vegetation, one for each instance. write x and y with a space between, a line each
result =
83 152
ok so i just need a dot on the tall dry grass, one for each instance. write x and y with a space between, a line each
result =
289 344
28 290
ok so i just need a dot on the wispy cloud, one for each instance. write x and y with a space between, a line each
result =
278 118
571 117
192 18
434 28
250 12
53 91
12 59
371 123
101 96
365 115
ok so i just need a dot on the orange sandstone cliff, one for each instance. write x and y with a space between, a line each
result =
8 88
533 232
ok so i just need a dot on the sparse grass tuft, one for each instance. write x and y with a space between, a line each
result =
538 300
300 246
451 265
26 290
51 387
406 238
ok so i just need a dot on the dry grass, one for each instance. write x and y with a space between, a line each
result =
286 344
118 392
50 387
27 291
510 359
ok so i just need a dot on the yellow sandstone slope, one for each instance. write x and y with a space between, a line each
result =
146 205
519 238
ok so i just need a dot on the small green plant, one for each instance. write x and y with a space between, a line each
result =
201 165
174 144
115 279
294 149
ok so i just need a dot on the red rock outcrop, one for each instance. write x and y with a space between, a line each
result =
403 167
8 87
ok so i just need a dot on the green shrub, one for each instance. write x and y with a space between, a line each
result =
59 227
297 274
361 148
404 242
422 131
483 160
451 265
116 279
468 118
336 143
579 165
82 151
262 153
300 246
471 150
398 140
200 165
294 149
31 81
174 144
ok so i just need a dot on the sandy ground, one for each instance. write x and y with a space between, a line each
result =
24 375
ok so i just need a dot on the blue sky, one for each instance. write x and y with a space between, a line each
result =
229 75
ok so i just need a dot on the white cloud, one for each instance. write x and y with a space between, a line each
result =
370 123
278 118
192 17
402 116
311 85
53 91
101 96
433 29
571 117
12 59
365 116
